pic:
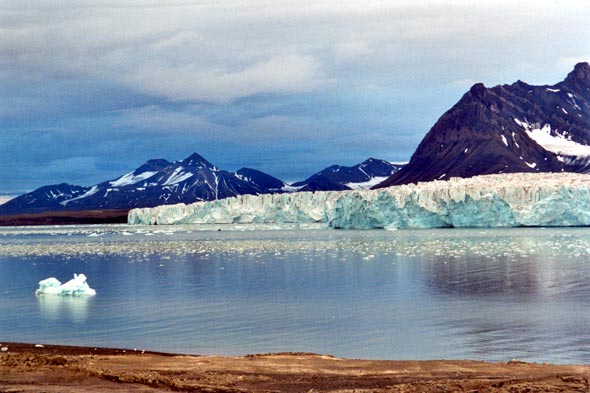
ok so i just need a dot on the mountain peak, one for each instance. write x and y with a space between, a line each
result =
506 129
158 162
153 165
196 160
581 73
478 90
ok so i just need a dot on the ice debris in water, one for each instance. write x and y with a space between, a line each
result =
77 286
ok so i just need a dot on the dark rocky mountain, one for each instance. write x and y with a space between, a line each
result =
46 198
507 129
260 179
160 182
157 182
338 177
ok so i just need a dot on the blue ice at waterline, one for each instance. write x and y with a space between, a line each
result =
501 200
77 286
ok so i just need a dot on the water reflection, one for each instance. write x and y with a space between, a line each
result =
525 300
493 294
470 276
72 308
530 276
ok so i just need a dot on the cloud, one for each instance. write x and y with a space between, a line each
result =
128 80
282 74
222 52
193 120
352 50
462 83
156 118
568 62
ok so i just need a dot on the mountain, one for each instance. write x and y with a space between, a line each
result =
46 198
160 182
507 129
157 182
260 179
338 177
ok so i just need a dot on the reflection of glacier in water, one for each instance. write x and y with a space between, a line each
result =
491 294
54 308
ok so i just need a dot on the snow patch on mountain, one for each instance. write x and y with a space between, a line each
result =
504 140
556 142
177 176
130 178
290 188
367 184
88 193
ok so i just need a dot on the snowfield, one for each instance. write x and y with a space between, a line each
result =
503 200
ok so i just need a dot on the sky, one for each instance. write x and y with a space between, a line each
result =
90 90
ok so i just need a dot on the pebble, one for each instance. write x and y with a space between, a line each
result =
4 349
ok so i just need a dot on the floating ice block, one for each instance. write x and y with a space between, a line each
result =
77 286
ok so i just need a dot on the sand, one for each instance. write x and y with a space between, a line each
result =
49 368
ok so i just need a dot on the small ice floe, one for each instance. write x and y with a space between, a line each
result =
77 286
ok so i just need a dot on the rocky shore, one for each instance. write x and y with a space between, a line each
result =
54 368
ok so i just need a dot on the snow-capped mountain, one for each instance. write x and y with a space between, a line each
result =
160 182
507 129
260 179
46 198
357 177
157 182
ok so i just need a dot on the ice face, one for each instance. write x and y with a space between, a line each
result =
504 200
77 286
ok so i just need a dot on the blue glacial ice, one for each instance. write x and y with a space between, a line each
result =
77 286
502 200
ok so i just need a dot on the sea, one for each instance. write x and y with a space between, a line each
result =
483 294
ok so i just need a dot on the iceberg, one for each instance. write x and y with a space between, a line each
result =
500 200
77 286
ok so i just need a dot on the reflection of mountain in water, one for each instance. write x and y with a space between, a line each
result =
512 295
467 276
535 266
54 308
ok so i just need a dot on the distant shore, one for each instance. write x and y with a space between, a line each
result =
56 368
67 218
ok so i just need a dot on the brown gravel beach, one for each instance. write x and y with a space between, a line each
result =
52 368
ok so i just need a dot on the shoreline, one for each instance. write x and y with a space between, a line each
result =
56 368
67 217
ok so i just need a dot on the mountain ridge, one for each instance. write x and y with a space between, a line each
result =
340 178
507 129
160 182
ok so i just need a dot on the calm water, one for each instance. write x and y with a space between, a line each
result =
478 294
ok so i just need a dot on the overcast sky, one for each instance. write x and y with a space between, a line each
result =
90 90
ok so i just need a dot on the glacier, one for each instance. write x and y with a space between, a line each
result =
499 200
77 286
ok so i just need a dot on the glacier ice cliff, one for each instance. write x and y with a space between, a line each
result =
501 200
77 286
